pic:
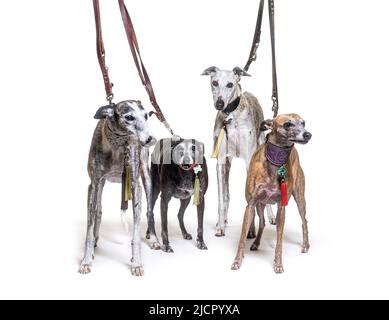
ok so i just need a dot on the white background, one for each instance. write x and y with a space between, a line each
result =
333 70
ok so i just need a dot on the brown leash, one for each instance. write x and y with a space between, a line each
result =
101 52
134 46
255 45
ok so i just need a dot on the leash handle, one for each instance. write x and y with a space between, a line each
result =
257 37
274 66
101 52
134 46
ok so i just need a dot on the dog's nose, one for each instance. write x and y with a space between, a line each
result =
219 104
307 136
187 160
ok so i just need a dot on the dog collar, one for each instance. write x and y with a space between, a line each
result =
232 106
277 155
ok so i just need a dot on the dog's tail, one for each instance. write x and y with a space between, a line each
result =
126 220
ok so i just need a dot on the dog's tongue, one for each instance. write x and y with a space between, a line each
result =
187 167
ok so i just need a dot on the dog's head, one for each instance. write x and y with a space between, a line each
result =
187 154
225 85
287 129
129 117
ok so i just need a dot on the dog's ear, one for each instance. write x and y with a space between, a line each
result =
239 72
209 71
267 125
105 112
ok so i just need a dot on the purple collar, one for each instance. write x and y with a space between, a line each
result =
276 155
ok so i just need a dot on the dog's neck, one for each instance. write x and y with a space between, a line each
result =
232 106
277 152
115 136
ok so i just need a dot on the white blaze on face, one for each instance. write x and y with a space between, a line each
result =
225 85
188 152
135 118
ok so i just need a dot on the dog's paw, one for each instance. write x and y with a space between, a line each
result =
187 236
155 246
201 245
167 249
236 265
278 268
273 221
85 269
254 247
137 271
305 248
251 235
220 232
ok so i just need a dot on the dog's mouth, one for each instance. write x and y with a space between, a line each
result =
187 167
299 141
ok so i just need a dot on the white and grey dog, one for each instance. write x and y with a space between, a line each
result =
121 137
240 115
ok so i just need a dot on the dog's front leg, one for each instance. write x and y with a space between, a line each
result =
94 192
136 261
200 227
165 199
248 218
260 211
223 172
147 184
299 197
278 267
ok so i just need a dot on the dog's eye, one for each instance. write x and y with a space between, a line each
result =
230 85
130 118
193 149
215 83
303 124
146 116
288 125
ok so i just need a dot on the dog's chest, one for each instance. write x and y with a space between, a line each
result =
184 189
269 193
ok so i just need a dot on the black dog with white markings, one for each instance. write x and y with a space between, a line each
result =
174 168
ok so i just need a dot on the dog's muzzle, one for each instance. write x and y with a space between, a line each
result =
219 104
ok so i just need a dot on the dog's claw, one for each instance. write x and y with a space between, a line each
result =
220 233
236 265
251 235
137 271
278 268
201 245
254 247
167 249
187 236
85 269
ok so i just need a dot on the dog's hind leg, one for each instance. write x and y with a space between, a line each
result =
223 173
99 213
147 184
200 224
183 206
95 188
270 215
260 211
278 267
248 218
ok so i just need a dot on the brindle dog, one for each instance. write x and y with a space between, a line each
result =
263 185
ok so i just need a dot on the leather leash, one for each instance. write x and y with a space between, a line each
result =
134 46
101 52
274 66
255 45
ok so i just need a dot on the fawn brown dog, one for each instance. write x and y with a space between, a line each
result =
263 182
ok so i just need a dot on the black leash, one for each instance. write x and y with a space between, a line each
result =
257 37
256 40
273 55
